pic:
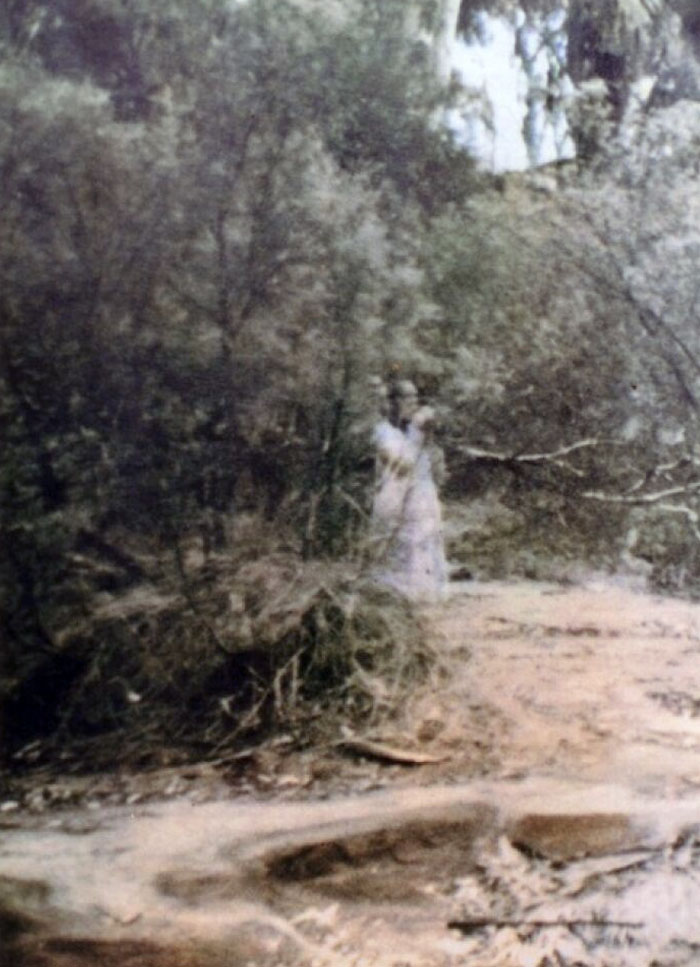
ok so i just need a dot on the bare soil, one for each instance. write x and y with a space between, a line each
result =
538 805
597 682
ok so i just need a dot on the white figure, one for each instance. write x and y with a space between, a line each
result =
421 542
406 534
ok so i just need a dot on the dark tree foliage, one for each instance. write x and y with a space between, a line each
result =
209 212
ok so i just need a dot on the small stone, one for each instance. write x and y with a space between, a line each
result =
9 806
562 836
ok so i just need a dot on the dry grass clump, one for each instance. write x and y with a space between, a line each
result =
223 652
322 637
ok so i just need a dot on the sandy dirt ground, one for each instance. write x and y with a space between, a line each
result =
597 682
538 807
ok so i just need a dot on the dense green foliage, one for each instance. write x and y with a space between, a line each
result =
210 235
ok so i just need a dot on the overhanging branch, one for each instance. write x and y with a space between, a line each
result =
551 456
639 499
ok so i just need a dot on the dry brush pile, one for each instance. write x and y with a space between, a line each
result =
218 654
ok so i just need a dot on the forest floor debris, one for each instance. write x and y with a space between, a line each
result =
560 720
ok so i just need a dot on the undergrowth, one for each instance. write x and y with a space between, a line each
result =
219 654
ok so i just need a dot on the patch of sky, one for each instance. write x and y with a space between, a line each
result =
513 70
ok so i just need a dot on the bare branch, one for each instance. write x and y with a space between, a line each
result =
651 498
553 456
561 452
663 469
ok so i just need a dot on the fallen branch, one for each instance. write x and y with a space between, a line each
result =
388 753
480 923
551 456
528 457
651 498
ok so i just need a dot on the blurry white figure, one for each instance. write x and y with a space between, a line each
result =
406 533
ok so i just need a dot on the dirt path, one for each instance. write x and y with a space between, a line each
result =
598 682
561 826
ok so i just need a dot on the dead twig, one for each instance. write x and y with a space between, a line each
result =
126 921
664 469
286 701
472 924
388 753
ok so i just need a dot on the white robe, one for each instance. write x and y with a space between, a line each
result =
406 534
